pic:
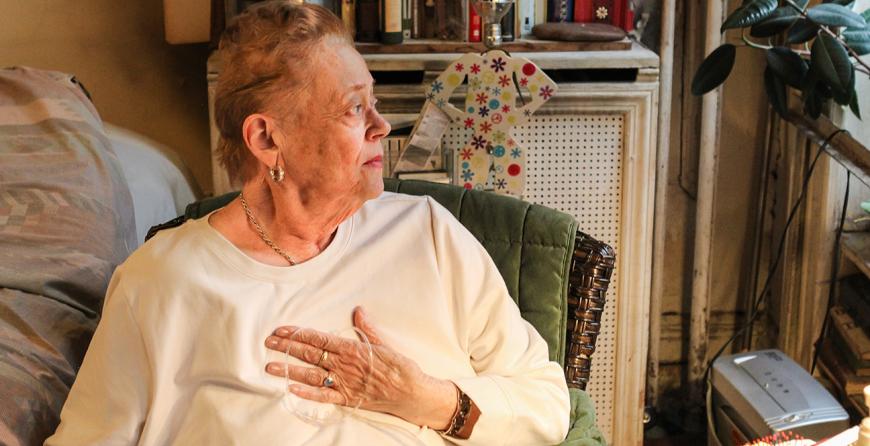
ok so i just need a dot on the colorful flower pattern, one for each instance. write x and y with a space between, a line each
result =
497 64
490 110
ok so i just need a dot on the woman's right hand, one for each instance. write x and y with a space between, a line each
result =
395 385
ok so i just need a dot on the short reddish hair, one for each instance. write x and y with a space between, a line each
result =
265 53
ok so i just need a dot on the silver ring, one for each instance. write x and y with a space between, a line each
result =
329 381
323 357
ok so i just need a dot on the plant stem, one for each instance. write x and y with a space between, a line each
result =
753 44
832 34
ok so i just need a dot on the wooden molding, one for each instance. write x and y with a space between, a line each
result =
519 46
638 103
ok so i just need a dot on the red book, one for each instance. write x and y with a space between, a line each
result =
618 13
583 11
629 20
474 24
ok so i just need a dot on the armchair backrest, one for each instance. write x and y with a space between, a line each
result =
557 276
531 245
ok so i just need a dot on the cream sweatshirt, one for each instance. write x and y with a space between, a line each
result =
178 357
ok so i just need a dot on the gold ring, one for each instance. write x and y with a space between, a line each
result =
323 357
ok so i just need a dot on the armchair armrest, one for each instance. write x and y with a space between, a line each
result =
591 267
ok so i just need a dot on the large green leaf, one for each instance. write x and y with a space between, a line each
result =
866 15
845 96
853 105
775 92
858 40
823 91
846 3
802 31
831 61
777 22
812 104
832 14
787 65
714 69
749 14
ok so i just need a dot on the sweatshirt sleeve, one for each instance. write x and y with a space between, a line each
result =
522 395
108 402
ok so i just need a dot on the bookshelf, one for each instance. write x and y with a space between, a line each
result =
520 45
856 248
845 355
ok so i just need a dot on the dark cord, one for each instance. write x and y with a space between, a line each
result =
781 248
835 271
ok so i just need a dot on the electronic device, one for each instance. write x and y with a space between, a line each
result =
763 392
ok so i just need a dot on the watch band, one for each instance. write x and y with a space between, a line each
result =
464 418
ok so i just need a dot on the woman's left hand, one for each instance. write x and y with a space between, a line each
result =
396 385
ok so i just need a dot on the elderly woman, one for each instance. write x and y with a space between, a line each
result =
190 349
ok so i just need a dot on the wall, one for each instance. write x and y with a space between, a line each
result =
118 51
742 133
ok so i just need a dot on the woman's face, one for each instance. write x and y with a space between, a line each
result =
331 146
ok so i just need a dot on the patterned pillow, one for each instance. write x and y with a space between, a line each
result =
66 221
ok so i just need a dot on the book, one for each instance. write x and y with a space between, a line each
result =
348 15
860 367
508 26
427 17
525 17
367 20
583 11
856 338
614 12
831 362
391 21
560 10
854 297
406 19
474 24
618 18
415 19
541 11
602 11
851 339
450 20
466 6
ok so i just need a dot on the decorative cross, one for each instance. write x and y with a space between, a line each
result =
492 110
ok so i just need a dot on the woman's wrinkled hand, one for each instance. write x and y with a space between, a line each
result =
395 386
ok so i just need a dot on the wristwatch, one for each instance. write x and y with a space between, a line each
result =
464 418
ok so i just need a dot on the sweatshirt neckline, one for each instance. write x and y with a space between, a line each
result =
230 254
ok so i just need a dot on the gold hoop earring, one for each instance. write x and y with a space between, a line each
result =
277 172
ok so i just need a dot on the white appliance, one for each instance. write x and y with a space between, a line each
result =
764 392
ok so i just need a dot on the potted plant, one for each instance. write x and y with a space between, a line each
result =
818 51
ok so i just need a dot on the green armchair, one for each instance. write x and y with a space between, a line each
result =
557 275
